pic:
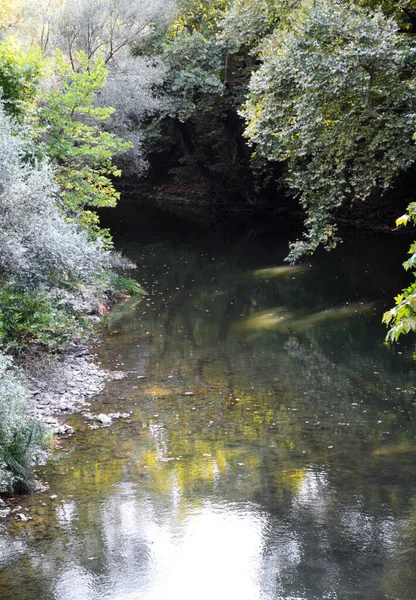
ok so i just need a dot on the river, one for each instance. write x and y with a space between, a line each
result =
269 452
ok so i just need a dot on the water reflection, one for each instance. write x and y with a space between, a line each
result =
214 551
261 461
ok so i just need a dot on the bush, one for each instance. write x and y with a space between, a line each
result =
34 319
126 285
21 438
38 247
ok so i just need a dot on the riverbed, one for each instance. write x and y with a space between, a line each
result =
267 449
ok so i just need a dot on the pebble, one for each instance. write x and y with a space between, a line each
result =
104 419
64 387
64 429
21 517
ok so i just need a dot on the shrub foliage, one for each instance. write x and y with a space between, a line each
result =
20 437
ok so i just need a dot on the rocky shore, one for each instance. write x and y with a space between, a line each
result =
59 386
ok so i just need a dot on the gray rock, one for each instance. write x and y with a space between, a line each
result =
21 517
104 419
64 429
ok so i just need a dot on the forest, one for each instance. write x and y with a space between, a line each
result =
311 100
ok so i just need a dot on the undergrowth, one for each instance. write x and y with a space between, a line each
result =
21 438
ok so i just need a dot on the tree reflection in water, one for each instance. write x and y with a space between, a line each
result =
265 458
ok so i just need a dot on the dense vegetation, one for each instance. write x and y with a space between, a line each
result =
312 95
326 91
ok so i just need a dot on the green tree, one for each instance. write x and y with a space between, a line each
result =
334 99
247 24
199 123
203 16
20 70
69 125
404 11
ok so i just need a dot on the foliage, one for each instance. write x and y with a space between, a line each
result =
71 133
126 285
202 16
37 245
193 63
10 13
139 78
19 74
404 11
20 437
104 31
402 318
200 131
334 99
246 24
33 319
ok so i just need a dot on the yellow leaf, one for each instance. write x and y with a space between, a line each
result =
402 220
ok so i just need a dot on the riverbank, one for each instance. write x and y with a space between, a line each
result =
57 387
41 386
61 385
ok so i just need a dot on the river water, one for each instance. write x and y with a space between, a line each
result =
269 452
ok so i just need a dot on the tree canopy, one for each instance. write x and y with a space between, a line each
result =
336 106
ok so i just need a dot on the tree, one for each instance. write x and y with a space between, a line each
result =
101 28
140 78
198 120
334 98
404 11
20 70
201 16
246 24
10 15
69 126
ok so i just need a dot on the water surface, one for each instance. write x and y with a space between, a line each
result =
270 450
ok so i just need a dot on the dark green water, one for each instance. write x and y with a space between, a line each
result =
270 453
